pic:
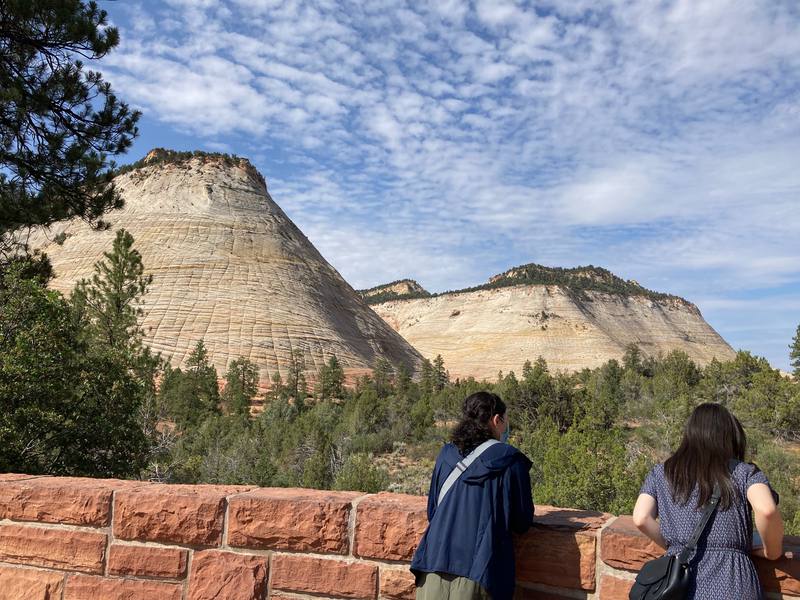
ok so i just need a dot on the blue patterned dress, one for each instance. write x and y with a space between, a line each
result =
721 564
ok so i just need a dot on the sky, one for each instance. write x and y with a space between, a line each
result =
448 141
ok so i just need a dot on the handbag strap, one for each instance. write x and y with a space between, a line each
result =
711 506
461 466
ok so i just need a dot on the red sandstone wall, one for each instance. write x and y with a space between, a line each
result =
89 539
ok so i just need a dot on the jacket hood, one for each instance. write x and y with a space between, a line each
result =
491 463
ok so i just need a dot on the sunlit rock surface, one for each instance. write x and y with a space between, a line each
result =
481 332
231 269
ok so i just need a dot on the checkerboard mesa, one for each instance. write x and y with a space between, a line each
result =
229 267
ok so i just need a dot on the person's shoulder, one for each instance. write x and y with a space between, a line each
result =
504 455
747 472
655 478
449 454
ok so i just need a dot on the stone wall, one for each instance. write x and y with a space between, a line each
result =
90 539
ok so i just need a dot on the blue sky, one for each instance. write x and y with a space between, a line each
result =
448 141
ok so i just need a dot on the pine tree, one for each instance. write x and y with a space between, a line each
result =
382 376
58 122
241 386
632 360
427 381
794 354
67 407
193 395
296 381
441 376
277 390
330 382
111 300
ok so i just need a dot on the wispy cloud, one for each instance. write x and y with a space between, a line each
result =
449 140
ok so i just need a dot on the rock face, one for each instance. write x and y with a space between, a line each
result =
481 332
229 268
395 290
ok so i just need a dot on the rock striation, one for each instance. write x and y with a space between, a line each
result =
497 327
229 268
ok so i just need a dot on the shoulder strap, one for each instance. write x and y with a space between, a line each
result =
461 466
711 506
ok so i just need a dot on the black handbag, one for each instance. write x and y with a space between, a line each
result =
667 578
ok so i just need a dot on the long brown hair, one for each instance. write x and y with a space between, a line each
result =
711 438
473 428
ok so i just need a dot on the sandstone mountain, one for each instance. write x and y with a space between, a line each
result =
230 268
402 288
574 318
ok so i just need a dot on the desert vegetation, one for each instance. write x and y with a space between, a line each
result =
83 396
576 280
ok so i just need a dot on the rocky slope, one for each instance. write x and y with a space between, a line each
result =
403 288
580 318
230 268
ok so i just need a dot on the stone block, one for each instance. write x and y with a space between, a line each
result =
85 587
559 550
397 584
147 561
30 584
782 575
614 588
68 500
320 576
73 550
521 593
290 519
182 514
228 575
17 476
623 546
390 526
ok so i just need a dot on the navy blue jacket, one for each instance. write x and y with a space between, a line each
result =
469 533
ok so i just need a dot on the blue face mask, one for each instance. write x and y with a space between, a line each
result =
504 437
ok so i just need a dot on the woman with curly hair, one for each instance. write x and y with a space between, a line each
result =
480 493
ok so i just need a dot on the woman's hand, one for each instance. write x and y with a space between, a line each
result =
768 521
644 517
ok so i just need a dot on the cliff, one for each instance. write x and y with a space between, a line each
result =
230 268
403 288
90 539
574 324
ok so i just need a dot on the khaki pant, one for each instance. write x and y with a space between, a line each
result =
442 586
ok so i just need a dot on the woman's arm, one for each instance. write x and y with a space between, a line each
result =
768 520
520 499
644 517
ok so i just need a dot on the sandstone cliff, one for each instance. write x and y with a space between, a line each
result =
483 330
230 268
403 288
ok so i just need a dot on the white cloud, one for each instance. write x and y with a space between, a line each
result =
657 139
497 12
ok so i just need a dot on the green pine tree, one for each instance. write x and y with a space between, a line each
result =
794 354
241 386
296 381
427 380
65 407
111 301
382 376
330 382
440 374
58 122
191 396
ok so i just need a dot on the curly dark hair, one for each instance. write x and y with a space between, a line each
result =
473 428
